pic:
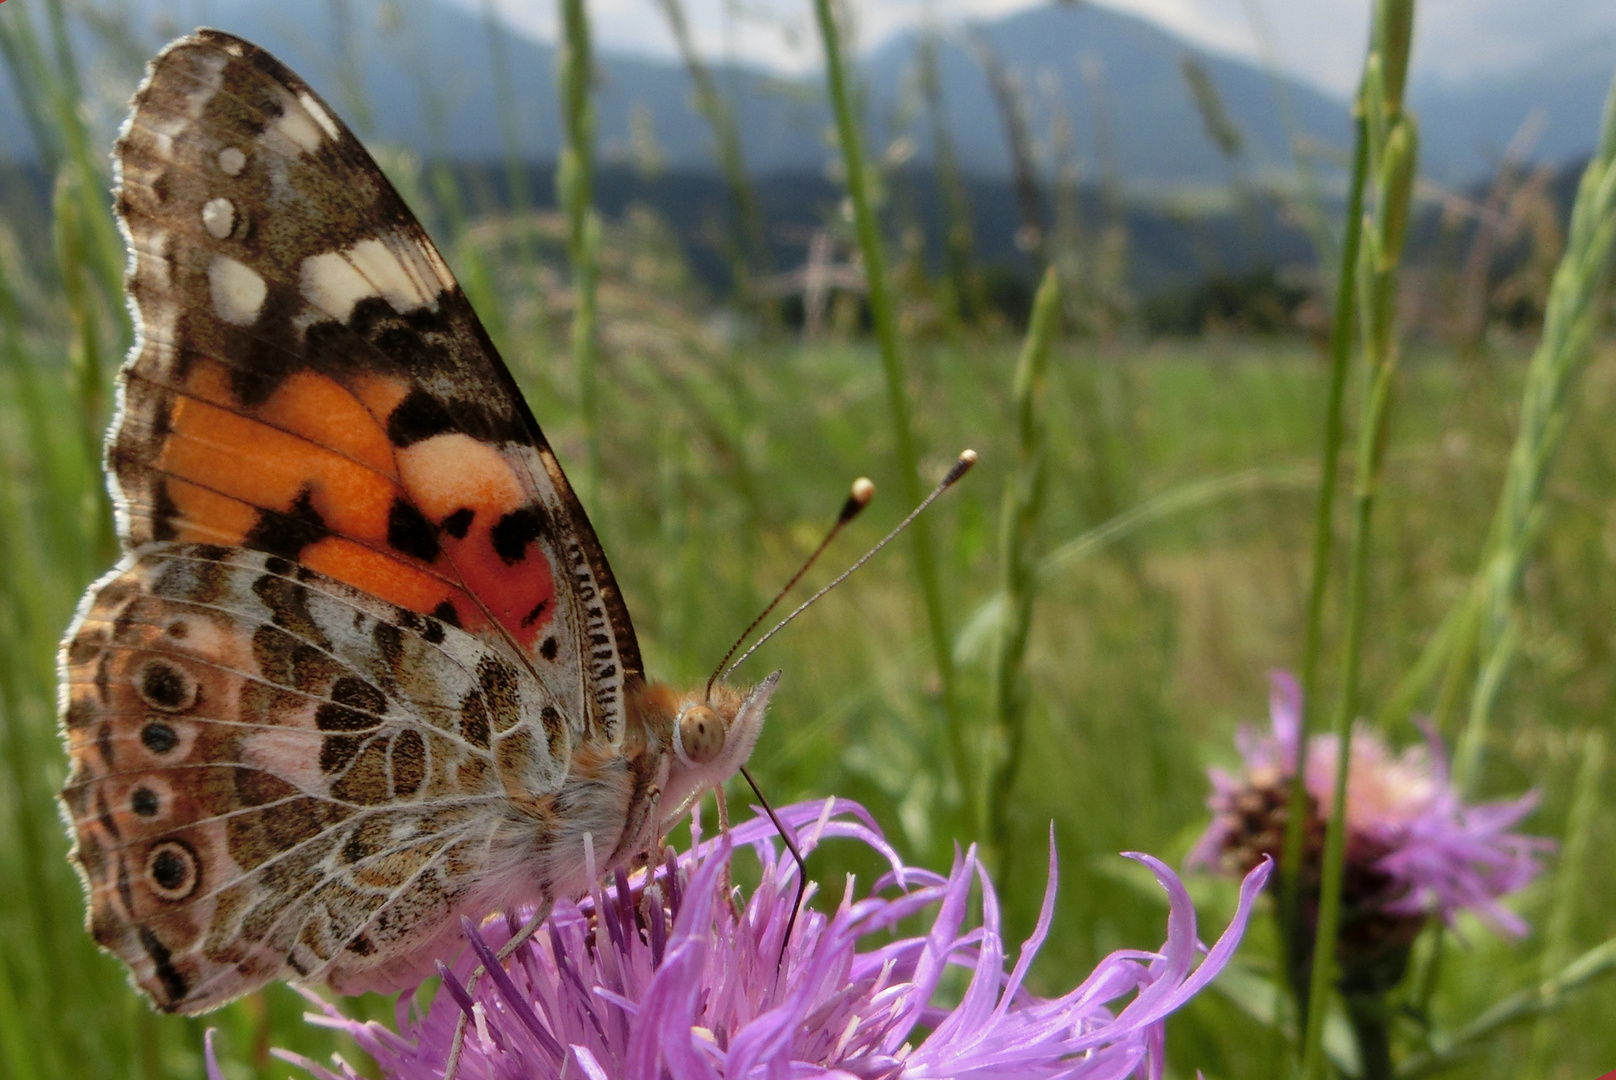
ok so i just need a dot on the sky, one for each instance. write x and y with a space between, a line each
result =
1319 41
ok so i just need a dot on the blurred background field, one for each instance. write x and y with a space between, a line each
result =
1191 204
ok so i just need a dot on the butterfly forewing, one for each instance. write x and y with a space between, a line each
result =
311 382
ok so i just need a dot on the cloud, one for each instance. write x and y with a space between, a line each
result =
1319 41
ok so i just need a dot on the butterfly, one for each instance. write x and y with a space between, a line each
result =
363 667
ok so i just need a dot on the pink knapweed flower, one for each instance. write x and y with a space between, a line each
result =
1414 848
684 980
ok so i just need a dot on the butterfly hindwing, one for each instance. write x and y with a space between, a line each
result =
277 776
310 382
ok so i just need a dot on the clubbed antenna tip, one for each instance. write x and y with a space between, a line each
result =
857 499
962 466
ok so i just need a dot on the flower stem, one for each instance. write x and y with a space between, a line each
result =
1372 1032
884 319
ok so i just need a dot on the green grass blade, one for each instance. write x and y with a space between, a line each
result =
1577 309
1586 803
750 254
1393 149
575 184
1343 320
1517 1009
1018 578
884 316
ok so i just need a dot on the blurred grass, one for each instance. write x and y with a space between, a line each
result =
1177 505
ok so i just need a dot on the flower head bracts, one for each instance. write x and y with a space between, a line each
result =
681 980
1414 847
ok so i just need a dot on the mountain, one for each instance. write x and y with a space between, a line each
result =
1465 127
425 80
421 76
1118 80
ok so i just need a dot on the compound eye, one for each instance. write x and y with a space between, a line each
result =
699 738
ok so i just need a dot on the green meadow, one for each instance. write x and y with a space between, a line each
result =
1107 593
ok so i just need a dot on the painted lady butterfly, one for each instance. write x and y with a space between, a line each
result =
363 666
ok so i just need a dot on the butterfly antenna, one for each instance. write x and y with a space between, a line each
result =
962 466
857 499
796 854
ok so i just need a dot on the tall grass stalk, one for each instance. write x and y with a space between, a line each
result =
1018 575
959 243
1392 155
47 91
1517 1009
1293 937
1586 802
1009 97
575 184
450 202
27 797
750 257
986 623
1310 206
476 277
518 199
349 68
1224 134
884 316
1109 266
103 247
1577 308
1451 652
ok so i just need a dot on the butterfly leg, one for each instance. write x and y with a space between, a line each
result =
723 827
531 927
641 832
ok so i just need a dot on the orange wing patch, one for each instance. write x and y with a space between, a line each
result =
443 525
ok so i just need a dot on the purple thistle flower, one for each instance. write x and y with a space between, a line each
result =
683 980
1414 847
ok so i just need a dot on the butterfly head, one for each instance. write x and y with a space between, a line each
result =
709 736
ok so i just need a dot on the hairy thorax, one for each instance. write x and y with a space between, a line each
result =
617 801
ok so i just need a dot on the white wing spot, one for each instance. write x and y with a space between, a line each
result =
238 291
218 217
209 76
388 267
232 160
381 262
160 258
298 127
321 117
330 282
